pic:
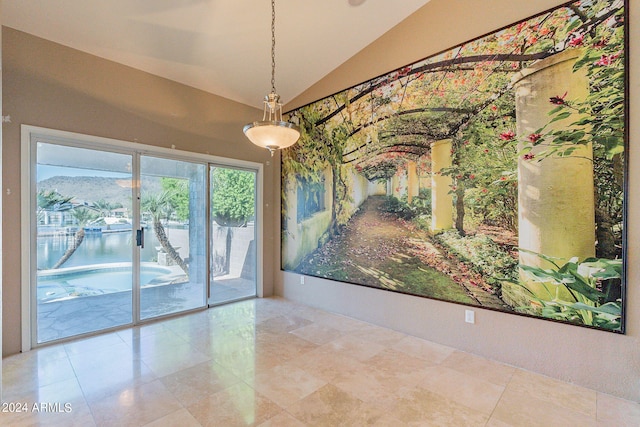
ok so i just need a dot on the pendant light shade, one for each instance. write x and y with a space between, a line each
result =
272 132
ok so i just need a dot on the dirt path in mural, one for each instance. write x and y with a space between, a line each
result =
379 250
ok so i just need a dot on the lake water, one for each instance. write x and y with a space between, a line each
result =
95 249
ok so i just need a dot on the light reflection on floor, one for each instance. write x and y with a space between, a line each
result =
271 362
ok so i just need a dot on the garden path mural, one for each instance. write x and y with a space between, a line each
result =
491 174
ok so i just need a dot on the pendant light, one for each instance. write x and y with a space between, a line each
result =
272 132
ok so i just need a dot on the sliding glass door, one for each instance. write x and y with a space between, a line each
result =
233 234
84 258
173 226
122 233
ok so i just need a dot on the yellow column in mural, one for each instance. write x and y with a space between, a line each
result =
441 197
556 214
413 186
395 185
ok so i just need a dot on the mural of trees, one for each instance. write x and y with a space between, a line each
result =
457 171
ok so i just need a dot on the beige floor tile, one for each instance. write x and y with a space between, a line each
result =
272 362
173 358
130 335
314 314
283 419
34 373
194 333
328 406
193 384
465 390
617 412
90 361
355 347
381 377
246 362
559 393
417 406
114 377
265 352
285 384
426 350
284 346
325 364
67 391
183 324
239 405
366 386
521 408
234 315
479 367
317 333
282 324
394 364
181 418
92 344
494 422
223 343
30 357
375 415
135 406
383 336
342 323
150 344
264 309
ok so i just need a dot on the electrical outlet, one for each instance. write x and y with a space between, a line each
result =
469 316
302 280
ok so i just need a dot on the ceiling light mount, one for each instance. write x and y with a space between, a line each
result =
272 132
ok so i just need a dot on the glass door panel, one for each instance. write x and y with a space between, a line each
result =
173 219
232 234
84 276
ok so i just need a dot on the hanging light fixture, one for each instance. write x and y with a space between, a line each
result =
272 132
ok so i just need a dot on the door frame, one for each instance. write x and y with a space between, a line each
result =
29 135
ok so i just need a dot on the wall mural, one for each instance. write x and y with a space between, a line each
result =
491 174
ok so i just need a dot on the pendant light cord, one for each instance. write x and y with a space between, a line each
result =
273 46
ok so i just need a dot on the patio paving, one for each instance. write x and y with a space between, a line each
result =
75 316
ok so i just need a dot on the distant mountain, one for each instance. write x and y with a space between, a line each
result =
93 188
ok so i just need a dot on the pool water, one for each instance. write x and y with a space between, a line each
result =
95 282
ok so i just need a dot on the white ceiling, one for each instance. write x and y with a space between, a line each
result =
220 46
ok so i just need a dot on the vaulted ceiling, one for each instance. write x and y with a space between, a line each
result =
220 46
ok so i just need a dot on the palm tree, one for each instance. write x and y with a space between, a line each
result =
82 216
157 205
51 200
103 206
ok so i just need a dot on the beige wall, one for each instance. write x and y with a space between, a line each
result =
52 86
597 359
1 187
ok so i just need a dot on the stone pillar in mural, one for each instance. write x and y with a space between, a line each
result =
441 198
556 195
413 185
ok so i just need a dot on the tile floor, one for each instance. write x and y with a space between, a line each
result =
270 362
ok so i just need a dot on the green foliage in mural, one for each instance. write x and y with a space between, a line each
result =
593 283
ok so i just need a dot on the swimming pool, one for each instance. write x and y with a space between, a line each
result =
65 283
